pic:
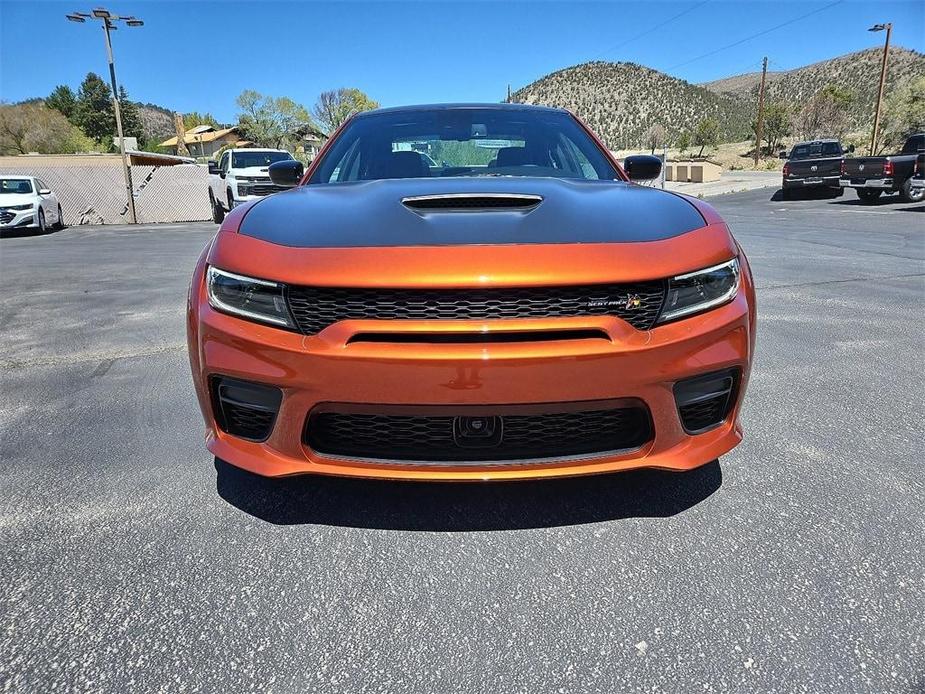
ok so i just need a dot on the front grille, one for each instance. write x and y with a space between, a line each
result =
315 308
422 438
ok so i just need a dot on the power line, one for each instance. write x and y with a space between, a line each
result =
754 36
649 31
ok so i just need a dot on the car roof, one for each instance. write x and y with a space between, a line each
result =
817 142
462 106
17 177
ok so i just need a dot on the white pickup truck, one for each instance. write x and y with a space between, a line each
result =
241 175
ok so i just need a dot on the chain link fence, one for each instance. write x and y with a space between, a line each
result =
95 193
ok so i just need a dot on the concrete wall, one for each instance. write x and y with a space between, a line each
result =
94 192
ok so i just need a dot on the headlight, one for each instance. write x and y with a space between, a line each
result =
259 300
22 207
243 189
700 290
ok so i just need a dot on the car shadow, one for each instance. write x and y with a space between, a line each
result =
22 232
855 201
805 194
918 208
455 507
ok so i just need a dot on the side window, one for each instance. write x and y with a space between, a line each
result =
223 164
40 185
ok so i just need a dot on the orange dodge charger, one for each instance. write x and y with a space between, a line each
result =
470 292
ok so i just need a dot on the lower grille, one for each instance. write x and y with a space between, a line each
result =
6 216
704 401
243 409
315 308
422 438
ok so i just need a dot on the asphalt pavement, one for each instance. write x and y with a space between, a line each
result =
132 562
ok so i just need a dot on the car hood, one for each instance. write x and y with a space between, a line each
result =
10 199
373 214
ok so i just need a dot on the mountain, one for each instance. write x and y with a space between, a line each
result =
156 122
619 101
858 72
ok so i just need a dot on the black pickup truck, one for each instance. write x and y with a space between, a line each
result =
872 176
815 164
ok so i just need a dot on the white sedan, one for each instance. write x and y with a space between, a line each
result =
26 201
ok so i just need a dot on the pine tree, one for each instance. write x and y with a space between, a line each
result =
63 99
94 113
131 120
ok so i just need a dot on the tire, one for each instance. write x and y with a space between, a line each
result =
60 223
868 197
907 194
41 222
218 214
230 200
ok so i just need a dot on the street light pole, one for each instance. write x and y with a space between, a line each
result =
108 20
886 52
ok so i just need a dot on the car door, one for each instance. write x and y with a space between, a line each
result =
218 183
51 203
39 185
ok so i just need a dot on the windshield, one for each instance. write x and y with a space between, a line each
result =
15 185
245 160
816 149
443 142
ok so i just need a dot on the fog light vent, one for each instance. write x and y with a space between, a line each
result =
704 401
243 409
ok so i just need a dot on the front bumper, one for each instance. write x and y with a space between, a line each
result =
918 183
19 219
315 371
873 183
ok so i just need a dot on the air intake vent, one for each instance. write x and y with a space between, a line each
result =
244 409
471 202
704 402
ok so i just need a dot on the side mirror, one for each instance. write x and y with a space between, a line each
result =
850 149
642 167
782 155
287 173
45 191
213 166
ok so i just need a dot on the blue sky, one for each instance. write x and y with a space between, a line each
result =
197 56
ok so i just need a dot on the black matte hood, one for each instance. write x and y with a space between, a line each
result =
372 213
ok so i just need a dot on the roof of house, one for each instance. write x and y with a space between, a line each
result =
200 133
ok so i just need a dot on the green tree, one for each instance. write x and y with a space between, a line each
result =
270 121
131 119
26 128
825 114
336 106
903 113
94 111
706 134
776 125
63 99
194 118
684 141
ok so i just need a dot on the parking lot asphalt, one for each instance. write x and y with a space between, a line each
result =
133 562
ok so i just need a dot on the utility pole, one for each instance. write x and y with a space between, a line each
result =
886 52
108 20
760 125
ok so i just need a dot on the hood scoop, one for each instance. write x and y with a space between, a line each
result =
472 202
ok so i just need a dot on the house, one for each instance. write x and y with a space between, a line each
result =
309 140
206 140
